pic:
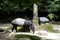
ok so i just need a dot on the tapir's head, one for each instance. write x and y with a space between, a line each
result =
32 28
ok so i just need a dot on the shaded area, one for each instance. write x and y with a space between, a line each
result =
45 14
28 36
8 17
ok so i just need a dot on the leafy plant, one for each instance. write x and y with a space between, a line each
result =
51 16
47 27
28 36
10 28
1 30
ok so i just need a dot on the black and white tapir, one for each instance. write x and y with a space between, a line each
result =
26 25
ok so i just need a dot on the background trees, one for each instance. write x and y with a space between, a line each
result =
49 6
17 8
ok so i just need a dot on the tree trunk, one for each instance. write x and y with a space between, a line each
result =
35 15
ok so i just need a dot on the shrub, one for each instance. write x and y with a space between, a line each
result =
28 36
48 27
51 16
1 30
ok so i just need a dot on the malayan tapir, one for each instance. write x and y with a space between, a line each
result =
25 24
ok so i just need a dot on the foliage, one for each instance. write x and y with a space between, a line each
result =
28 36
1 30
49 5
16 5
18 27
47 27
51 16
10 28
56 17
21 5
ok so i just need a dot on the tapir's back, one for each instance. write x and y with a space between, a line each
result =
18 21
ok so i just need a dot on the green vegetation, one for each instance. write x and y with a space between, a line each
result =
16 5
10 28
21 7
1 30
47 27
51 16
11 9
28 36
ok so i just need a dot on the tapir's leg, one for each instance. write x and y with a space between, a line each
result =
14 27
26 26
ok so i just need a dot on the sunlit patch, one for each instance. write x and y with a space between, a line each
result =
10 28
18 27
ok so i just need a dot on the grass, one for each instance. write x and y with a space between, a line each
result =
47 27
28 36
1 30
10 28
56 22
